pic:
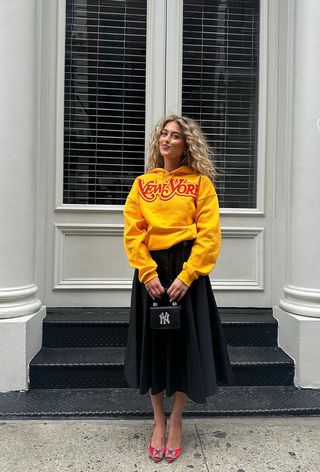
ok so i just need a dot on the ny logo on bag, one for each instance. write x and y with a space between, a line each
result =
164 318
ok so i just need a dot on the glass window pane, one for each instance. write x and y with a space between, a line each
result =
220 89
104 114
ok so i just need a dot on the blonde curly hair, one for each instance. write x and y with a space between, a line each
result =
198 154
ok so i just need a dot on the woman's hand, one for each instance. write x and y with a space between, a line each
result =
154 288
177 290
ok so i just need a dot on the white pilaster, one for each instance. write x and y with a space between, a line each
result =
299 310
20 309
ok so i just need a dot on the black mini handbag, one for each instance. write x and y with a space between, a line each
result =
165 317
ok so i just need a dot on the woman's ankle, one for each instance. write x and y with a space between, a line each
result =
176 420
159 420
174 439
159 432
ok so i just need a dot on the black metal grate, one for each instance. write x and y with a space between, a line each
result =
220 89
127 402
105 62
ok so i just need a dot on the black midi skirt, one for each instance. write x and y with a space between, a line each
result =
193 359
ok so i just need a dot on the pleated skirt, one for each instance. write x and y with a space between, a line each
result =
193 359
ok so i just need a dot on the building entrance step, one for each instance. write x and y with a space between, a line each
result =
128 403
101 327
103 367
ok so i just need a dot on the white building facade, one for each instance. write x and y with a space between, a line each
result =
61 249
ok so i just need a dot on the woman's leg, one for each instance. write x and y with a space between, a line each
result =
159 430
175 427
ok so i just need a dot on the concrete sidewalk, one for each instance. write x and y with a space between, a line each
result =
215 445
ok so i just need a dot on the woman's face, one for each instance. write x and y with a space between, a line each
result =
172 144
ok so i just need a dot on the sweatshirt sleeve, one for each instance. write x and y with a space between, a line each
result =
135 227
206 247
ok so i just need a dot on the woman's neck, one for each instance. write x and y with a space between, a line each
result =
170 166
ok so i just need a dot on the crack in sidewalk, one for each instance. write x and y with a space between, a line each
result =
205 460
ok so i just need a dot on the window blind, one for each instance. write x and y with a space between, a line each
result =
104 114
220 89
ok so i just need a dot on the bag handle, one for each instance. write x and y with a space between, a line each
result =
172 303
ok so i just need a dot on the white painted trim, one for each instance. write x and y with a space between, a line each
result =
93 284
301 293
61 32
17 293
263 109
89 208
288 134
174 52
301 301
241 212
47 138
41 194
235 285
155 65
81 228
257 283
119 209
283 66
62 229
18 301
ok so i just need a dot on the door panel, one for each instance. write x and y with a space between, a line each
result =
223 80
90 166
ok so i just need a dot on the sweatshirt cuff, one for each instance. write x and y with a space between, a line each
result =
147 276
187 277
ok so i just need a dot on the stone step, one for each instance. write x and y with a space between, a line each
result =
102 327
128 403
103 367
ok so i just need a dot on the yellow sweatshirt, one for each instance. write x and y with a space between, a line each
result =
164 208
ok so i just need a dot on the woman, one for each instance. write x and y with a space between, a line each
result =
172 238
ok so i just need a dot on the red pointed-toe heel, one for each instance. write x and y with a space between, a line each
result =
157 453
171 454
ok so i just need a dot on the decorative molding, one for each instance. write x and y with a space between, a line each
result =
85 228
241 212
257 283
299 293
83 283
86 283
18 301
17 293
301 301
78 208
94 284
89 208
